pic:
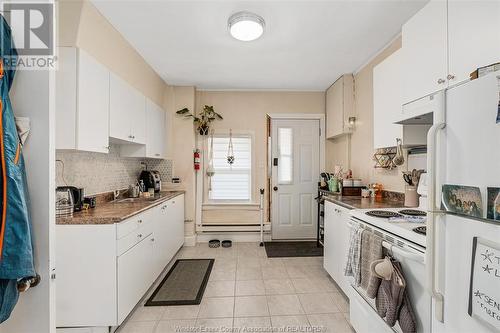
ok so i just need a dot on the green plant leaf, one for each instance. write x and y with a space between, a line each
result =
183 111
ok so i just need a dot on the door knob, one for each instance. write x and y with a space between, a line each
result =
275 188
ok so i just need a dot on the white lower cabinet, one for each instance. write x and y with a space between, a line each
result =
336 243
105 270
134 267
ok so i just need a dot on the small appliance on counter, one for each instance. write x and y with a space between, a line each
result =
77 195
90 201
64 202
151 179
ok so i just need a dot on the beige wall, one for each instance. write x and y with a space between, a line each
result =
183 142
82 25
247 111
357 149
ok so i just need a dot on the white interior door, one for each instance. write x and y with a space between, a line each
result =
295 175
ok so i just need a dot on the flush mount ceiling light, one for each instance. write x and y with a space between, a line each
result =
246 26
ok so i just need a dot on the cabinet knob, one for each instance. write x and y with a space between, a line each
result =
139 221
441 81
275 188
107 147
450 77
139 235
152 239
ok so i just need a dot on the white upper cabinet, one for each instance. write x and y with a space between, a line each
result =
82 102
155 137
473 37
387 107
339 106
127 112
387 101
155 146
425 52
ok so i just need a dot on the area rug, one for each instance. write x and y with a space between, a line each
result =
184 284
293 249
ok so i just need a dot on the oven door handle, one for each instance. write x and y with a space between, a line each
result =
405 254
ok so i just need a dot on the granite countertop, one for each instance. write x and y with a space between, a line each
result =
114 212
352 202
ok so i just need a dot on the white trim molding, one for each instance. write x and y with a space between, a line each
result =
322 127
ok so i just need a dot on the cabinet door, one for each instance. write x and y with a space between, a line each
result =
387 103
155 142
473 36
177 205
172 226
425 52
343 239
335 109
127 112
93 105
134 276
138 116
119 118
329 242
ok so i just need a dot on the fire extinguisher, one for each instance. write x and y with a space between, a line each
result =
197 159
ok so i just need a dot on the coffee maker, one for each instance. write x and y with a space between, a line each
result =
151 179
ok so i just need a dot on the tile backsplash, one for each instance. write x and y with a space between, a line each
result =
99 173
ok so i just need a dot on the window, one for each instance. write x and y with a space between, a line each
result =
232 182
285 165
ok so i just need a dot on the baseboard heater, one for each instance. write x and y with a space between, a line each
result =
232 228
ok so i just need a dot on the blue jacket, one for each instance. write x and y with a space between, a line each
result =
16 250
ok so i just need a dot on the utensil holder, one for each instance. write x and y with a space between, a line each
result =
411 196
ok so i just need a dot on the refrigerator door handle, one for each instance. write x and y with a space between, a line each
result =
431 228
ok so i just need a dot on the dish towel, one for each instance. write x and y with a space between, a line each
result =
371 250
390 297
393 301
353 263
406 317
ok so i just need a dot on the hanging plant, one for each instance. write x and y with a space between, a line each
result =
210 168
230 151
203 120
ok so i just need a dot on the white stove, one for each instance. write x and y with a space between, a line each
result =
396 221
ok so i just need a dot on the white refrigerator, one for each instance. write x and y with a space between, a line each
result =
464 149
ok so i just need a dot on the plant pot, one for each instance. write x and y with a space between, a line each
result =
203 130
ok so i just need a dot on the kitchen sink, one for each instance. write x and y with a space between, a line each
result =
132 200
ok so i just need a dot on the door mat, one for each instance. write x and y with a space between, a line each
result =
293 249
184 284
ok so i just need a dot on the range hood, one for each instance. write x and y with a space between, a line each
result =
421 111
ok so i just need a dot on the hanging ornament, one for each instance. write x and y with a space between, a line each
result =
230 152
210 168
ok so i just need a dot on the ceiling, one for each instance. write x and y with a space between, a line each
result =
306 44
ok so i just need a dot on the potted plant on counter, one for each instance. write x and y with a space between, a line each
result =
203 120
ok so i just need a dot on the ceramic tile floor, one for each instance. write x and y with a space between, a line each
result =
248 292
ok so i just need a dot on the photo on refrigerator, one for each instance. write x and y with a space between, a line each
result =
493 210
464 200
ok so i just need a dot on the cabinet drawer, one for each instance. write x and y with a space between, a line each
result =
126 243
135 222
